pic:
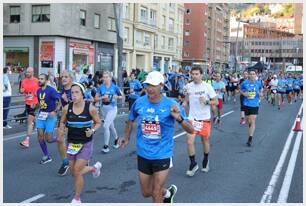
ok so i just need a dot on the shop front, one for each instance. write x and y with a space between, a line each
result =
104 57
16 57
81 55
157 62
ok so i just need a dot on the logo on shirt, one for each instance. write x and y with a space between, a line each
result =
151 110
162 110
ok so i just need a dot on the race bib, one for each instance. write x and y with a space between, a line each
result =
197 125
29 96
43 115
251 95
151 129
235 84
74 149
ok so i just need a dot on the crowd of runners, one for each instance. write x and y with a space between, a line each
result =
68 111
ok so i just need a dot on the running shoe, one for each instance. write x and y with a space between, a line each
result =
76 201
7 127
45 159
242 121
172 189
63 170
192 169
116 145
25 143
205 168
105 149
97 173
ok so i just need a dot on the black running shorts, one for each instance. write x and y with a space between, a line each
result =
250 110
30 111
151 166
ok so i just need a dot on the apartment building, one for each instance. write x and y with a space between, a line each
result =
152 36
206 35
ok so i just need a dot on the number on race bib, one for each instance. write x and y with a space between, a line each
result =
74 149
43 115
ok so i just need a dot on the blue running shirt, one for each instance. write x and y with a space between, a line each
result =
252 88
155 127
111 91
47 99
136 86
217 87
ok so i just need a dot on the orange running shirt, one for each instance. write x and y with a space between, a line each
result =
30 87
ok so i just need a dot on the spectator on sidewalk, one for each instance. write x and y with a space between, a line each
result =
7 93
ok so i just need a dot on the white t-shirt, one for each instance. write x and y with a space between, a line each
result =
194 91
274 82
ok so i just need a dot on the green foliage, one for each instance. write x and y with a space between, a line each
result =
248 10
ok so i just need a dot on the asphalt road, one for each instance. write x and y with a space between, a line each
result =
238 174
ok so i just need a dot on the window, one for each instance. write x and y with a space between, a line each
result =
187 43
138 37
41 13
171 24
126 35
143 14
186 54
152 17
155 41
172 6
111 24
163 42
164 22
187 33
126 11
188 11
97 21
170 44
147 39
14 14
187 22
83 17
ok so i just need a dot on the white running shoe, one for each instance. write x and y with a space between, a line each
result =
192 171
98 166
105 149
206 169
76 201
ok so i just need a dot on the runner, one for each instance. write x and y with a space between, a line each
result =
48 99
242 113
29 87
289 88
219 88
156 115
296 87
66 80
252 90
108 93
281 89
201 96
135 90
234 86
82 120
273 85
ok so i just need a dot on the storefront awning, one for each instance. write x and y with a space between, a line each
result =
16 49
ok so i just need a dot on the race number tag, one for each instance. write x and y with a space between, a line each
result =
197 125
29 96
251 95
74 149
43 115
151 129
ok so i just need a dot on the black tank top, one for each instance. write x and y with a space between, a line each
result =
78 124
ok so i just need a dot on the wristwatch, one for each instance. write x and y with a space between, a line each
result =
180 121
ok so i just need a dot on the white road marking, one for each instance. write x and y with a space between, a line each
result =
32 199
267 196
183 133
283 194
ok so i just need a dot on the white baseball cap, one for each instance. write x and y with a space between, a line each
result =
154 78
274 75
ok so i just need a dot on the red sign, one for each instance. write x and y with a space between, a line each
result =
84 46
47 51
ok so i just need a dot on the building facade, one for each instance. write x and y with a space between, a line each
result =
206 35
274 50
152 36
59 36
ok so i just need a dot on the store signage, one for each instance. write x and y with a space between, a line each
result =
16 49
47 51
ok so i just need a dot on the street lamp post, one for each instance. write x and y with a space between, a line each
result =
296 60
